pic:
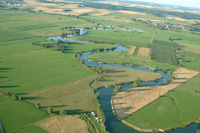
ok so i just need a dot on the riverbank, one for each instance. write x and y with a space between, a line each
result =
131 100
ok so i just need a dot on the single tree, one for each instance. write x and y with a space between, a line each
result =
166 81
37 105
63 112
14 97
136 83
20 98
50 110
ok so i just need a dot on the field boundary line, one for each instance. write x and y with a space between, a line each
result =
151 47
92 123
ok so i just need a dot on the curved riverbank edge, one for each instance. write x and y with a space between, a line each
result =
149 130
152 130
157 130
130 100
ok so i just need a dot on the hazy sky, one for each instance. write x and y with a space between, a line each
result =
186 3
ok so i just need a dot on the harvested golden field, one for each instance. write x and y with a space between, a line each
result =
133 99
181 19
75 96
116 75
144 52
131 12
131 50
64 124
101 12
146 6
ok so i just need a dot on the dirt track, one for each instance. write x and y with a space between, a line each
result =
133 99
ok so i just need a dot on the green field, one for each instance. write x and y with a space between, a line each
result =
176 108
55 78
16 114
164 54
26 68
32 129
183 50
119 37
121 57
117 75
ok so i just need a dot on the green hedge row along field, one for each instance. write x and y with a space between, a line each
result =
118 57
32 129
183 103
164 54
17 114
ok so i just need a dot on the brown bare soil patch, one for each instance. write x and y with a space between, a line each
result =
131 50
131 100
64 124
131 12
144 52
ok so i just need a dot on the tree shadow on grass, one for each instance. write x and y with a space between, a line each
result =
8 86
32 98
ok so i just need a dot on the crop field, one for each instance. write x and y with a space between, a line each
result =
32 129
15 114
164 54
131 50
118 58
130 100
117 75
144 52
180 101
72 124
49 73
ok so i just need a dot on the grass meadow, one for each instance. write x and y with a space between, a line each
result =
117 75
118 57
26 68
16 114
176 108
32 129
56 79
118 37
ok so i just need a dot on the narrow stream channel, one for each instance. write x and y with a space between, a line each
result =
112 124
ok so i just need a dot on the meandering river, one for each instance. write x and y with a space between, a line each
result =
114 125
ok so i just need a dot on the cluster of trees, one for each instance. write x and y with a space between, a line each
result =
98 69
74 30
59 45
136 83
156 12
117 88
67 10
